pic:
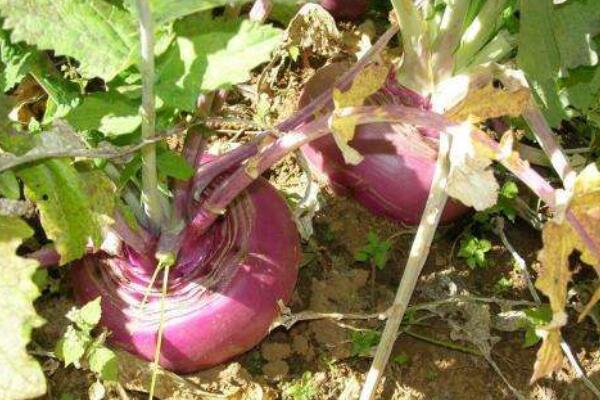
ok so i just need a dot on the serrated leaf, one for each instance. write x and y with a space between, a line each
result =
87 317
560 241
100 35
209 54
108 112
104 362
173 165
343 127
16 59
21 376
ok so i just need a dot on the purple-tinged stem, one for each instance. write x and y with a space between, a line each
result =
547 140
306 113
46 256
260 11
193 149
513 162
207 172
216 203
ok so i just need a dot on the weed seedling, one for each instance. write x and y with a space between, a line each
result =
474 250
377 253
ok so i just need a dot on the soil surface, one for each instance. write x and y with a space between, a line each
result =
317 359
438 355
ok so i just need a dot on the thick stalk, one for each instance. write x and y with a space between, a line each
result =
416 259
448 39
416 72
150 193
478 33
550 145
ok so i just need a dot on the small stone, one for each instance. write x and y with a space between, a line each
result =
275 351
276 369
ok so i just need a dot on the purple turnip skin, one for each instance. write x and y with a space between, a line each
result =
394 178
216 308
346 9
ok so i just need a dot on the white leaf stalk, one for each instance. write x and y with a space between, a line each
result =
416 259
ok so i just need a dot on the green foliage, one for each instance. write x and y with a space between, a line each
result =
9 186
401 359
559 54
376 251
21 376
111 113
302 389
505 205
474 250
78 344
364 341
535 318
172 164
209 54
101 36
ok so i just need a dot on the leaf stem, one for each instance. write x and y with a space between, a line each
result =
150 193
417 257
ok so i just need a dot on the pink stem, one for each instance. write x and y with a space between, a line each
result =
47 256
549 144
260 11
519 167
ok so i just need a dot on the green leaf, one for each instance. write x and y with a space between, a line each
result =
100 35
209 54
65 209
401 359
173 165
554 41
364 341
16 59
21 376
104 362
87 317
71 347
108 112
531 338
9 187
168 10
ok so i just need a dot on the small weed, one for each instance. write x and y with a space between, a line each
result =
376 251
505 205
535 317
302 389
401 359
503 285
364 341
474 250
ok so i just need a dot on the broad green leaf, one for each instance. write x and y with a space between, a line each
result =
100 35
168 10
108 112
555 41
65 209
209 54
104 362
9 187
71 347
21 377
16 59
87 317
72 205
173 165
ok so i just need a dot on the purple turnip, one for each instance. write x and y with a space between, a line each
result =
395 176
220 301
346 9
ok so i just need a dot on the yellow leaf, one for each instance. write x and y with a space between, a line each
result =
560 241
490 102
343 126
549 356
